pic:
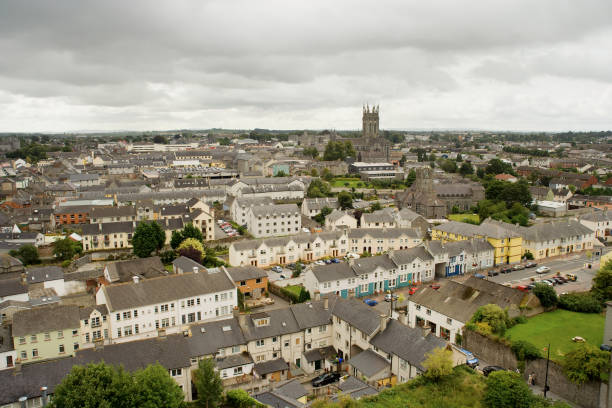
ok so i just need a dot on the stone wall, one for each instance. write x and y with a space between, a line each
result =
588 395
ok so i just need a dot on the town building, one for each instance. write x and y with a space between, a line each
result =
250 280
273 220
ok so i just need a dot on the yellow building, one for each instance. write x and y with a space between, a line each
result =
507 243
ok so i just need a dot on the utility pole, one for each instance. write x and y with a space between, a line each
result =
546 376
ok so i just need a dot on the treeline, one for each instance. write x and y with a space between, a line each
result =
525 150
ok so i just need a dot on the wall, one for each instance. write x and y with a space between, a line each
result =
491 352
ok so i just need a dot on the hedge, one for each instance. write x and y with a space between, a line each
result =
580 302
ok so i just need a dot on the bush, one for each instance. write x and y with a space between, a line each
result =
524 350
66 263
438 364
241 399
580 302
518 320
490 319
587 363
27 254
506 389
302 296
167 257
546 294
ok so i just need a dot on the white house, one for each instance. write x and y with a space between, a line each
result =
600 222
340 220
150 307
274 220
240 205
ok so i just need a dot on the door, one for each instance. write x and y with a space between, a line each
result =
9 361
298 362
318 365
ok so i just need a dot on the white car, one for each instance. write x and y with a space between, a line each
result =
543 269
319 262
352 255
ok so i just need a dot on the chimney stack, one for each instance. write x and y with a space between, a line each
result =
383 322
44 395
403 318
136 278
326 303
196 269
23 401
426 330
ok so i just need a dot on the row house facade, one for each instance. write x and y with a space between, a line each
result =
274 220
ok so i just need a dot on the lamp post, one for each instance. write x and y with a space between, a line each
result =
546 376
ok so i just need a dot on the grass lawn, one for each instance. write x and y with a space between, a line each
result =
169 268
464 217
558 328
340 182
295 289
464 388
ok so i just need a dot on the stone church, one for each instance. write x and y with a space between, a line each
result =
370 147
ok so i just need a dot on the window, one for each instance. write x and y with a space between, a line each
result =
24 355
322 329
33 338
118 331
22 340
118 316
287 343
274 339
190 302
127 331
235 349
237 370
61 348
34 353
176 372
297 341
127 315
135 313
449 321
428 312
260 343
86 337
75 332
418 307
136 328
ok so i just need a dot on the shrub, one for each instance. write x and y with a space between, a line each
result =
580 302
241 399
524 350
493 316
506 389
167 257
518 320
587 363
438 364
66 263
546 294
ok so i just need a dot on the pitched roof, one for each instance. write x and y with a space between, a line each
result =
334 271
369 363
356 313
44 274
12 287
123 271
233 360
282 321
164 289
271 366
241 273
208 338
311 314
45 319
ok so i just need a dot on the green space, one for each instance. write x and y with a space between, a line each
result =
464 388
341 182
295 289
471 218
558 328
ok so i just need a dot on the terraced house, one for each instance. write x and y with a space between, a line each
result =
507 244
273 220
379 240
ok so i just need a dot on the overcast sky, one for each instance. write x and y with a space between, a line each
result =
154 65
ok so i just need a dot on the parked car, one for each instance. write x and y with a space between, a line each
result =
435 286
506 269
518 267
328 261
412 290
531 286
489 369
335 260
282 277
571 277
546 282
479 275
563 278
319 262
558 280
389 297
493 273
543 269
605 347
325 379
531 264
277 269
370 302
522 288
291 266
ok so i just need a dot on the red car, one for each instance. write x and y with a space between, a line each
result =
435 286
412 290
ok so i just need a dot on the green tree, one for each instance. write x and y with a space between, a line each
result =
314 173
496 166
410 179
310 152
27 254
93 386
326 174
207 384
65 249
191 248
506 389
239 398
338 150
148 237
160 139
492 316
176 239
466 169
376 206
602 282
157 389
438 364
280 173
191 231
459 158
318 188
345 200
546 294
320 217
587 363
448 166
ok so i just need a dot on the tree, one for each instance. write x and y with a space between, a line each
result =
160 139
448 166
496 166
337 150
587 363
506 389
191 231
528 256
318 188
459 158
602 282
466 169
326 174
410 179
376 206
310 152
546 294
239 398
320 217
207 384
491 316
345 200
176 239
280 173
157 389
27 254
314 173
192 249
438 364
148 237
65 249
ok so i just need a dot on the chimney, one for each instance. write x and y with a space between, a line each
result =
23 401
136 278
317 295
383 322
196 269
426 330
326 303
44 395
24 278
403 318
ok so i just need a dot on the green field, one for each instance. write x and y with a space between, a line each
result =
295 289
340 182
464 217
558 328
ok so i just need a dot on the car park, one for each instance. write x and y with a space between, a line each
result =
325 379
531 265
370 302
489 369
543 269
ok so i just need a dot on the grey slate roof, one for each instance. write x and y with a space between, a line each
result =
44 274
184 264
12 287
233 360
108 228
292 389
369 363
405 256
123 271
375 233
263 210
271 399
357 313
271 366
240 273
413 347
45 319
332 272
164 289
282 321
311 314
598 216
85 312
216 335
355 388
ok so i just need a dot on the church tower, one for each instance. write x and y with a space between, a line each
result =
370 122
